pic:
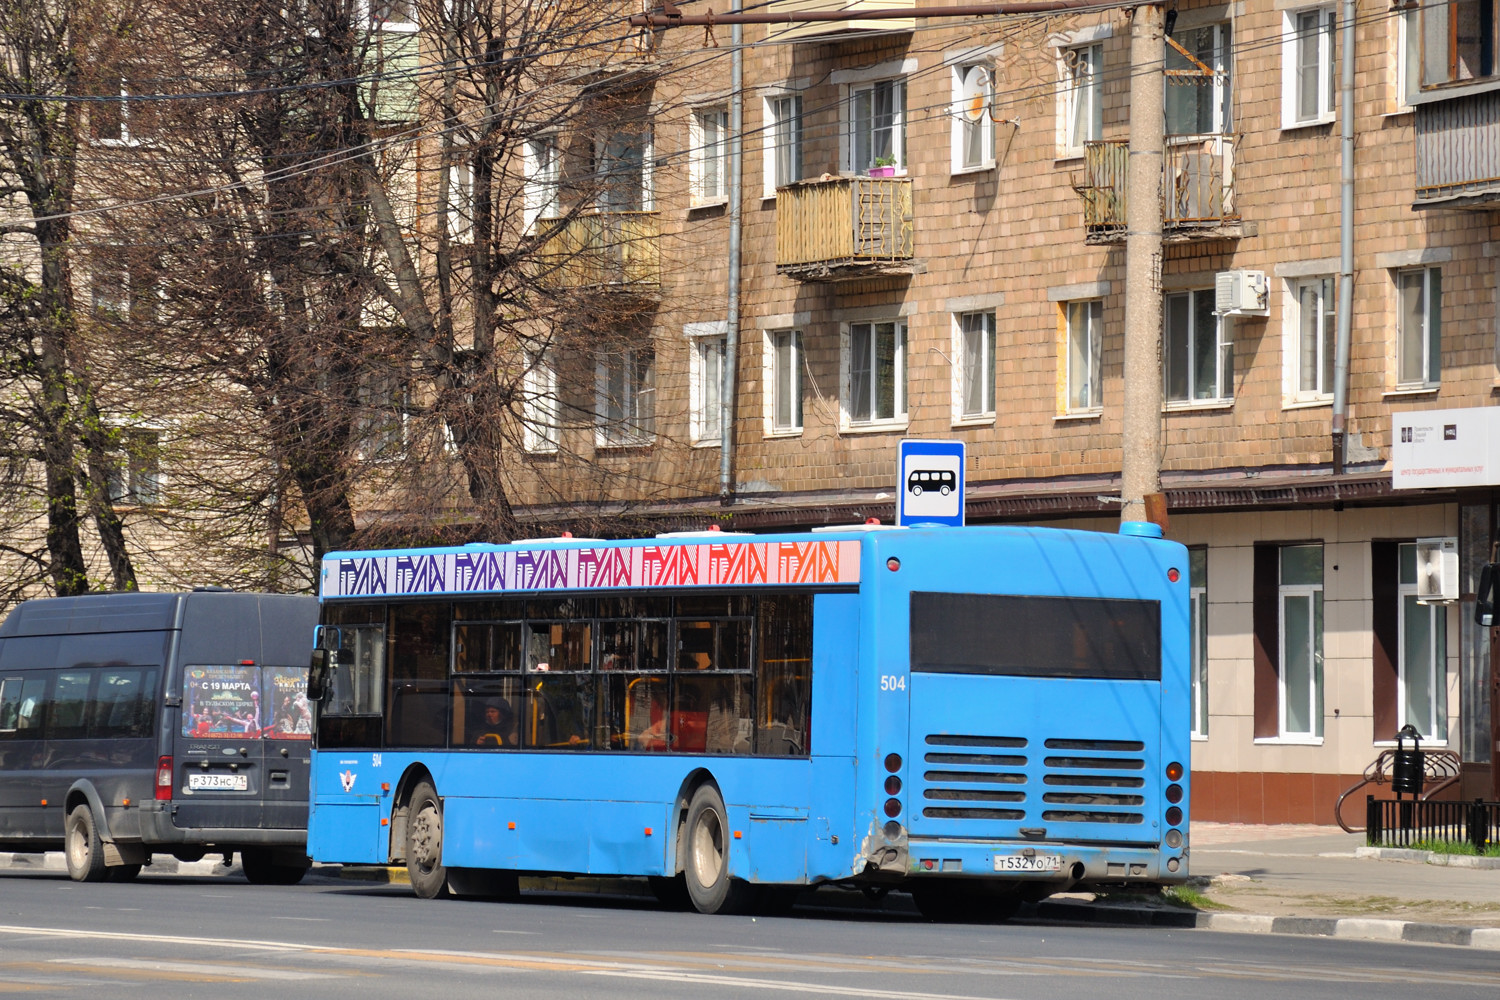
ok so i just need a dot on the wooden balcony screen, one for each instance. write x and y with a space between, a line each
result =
845 220
1197 183
607 248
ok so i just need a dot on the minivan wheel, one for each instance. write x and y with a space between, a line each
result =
424 843
82 847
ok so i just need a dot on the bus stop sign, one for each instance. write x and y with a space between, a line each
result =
930 483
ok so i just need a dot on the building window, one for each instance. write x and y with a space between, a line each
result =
135 469
877 125
784 142
706 391
876 363
1300 608
624 398
1084 355
461 200
1198 628
1307 51
1199 361
543 174
708 162
785 379
122 290
622 166
1082 96
1310 344
1198 81
393 15
1457 41
975 351
1423 669
973 118
1419 327
124 122
541 414
384 404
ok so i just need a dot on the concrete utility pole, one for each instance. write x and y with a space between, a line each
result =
1140 462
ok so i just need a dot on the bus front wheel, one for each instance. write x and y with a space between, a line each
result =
84 850
706 860
424 842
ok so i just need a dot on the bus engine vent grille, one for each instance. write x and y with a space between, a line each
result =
1094 781
975 778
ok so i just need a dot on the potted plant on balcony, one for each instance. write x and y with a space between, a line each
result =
885 166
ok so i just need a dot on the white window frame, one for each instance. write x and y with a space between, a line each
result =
707 347
1428 331
376 22
109 297
460 197
980 324
708 156
782 131
541 409
860 368
125 138
1223 348
543 179
981 129
1301 331
1082 371
1296 49
1222 69
378 393
1407 29
1080 95
1313 595
1433 728
134 483
783 352
860 128
635 424
647 179
1198 631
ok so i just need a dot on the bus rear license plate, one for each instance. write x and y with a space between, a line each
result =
218 782
1020 863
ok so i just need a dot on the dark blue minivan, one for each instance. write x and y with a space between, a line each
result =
133 724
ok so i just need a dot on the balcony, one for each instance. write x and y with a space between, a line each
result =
1458 153
610 249
844 229
1197 189
812 30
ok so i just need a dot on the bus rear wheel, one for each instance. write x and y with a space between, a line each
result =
705 841
83 849
424 842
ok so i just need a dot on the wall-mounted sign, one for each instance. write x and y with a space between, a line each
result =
1445 448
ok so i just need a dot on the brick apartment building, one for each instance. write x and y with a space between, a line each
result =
932 234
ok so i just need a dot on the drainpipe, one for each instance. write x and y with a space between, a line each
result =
727 388
1346 240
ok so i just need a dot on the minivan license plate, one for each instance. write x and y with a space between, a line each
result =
218 782
1022 863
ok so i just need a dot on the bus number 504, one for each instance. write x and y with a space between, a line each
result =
892 682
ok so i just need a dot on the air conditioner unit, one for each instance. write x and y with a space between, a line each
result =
1437 570
1241 293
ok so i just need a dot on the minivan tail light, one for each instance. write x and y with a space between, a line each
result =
164 779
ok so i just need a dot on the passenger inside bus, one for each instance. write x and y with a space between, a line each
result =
498 726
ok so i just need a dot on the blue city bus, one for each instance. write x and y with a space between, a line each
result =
979 716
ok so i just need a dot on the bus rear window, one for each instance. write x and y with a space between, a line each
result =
1010 636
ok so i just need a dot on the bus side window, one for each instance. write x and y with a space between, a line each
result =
784 675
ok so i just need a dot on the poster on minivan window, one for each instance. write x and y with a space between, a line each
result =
222 702
291 713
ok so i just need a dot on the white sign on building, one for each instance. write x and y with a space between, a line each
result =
1445 448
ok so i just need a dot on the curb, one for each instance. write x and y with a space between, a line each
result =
54 861
1427 857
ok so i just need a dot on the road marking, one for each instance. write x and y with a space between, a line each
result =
822 989
195 968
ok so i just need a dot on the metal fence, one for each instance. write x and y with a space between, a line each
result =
1401 823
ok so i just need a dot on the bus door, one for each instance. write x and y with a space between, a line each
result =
1034 718
242 747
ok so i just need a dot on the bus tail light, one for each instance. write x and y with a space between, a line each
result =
893 807
1174 771
164 779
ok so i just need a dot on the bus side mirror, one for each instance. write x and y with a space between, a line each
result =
1484 600
318 672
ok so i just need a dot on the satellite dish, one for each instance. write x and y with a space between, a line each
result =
973 93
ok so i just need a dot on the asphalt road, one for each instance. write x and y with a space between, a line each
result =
222 938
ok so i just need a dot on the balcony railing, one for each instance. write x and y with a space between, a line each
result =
844 228
1458 152
1197 189
813 29
607 248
